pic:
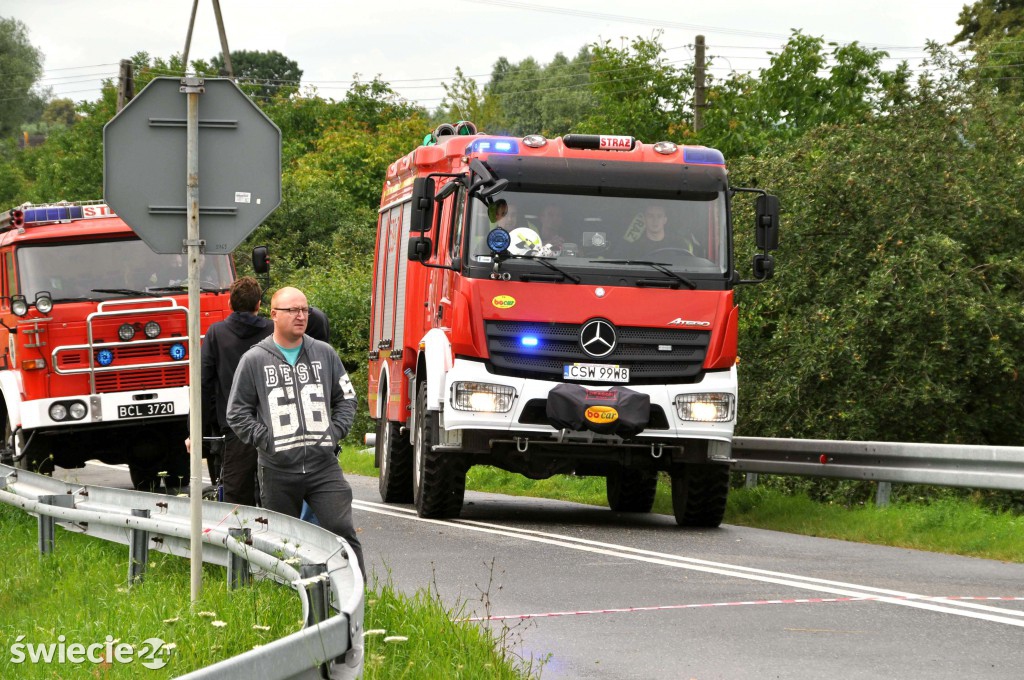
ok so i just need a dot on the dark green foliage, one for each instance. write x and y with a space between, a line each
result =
264 75
897 314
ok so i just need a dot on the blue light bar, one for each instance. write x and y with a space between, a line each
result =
528 341
53 213
495 145
702 155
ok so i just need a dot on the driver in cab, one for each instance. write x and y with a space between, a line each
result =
649 233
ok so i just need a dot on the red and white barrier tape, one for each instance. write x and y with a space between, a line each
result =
809 600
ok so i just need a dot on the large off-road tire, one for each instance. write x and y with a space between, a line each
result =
699 493
439 478
394 452
631 490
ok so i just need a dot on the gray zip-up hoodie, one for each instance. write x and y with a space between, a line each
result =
294 415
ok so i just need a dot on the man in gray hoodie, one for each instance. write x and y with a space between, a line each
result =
292 399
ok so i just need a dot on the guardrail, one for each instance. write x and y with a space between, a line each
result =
976 467
249 541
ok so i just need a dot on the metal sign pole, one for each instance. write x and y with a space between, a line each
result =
193 87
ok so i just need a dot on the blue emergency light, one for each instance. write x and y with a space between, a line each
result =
495 145
702 155
177 351
528 341
104 357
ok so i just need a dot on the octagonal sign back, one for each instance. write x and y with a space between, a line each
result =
145 165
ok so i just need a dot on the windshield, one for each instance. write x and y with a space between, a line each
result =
586 231
73 271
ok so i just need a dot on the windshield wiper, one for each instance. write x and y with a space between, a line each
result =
549 265
124 291
659 266
173 289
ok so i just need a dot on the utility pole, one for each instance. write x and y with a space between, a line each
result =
125 84
698 84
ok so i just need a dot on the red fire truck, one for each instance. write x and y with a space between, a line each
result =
558 306
95 342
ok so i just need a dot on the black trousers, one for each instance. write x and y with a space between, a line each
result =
328 493
238 470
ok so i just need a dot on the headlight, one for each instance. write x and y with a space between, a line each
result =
44 303
77 410
484 397
58 412
152 329
126 332
706 408
19 305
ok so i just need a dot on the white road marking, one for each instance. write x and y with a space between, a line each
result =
899 598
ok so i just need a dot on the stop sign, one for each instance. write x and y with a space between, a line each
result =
145 165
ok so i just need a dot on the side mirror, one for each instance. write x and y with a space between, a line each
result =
767 226
764 267
420 248
422 206
260 260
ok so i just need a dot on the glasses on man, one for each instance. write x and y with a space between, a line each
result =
294 311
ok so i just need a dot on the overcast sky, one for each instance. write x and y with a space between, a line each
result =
417 45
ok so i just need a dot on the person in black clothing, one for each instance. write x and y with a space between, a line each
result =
225 343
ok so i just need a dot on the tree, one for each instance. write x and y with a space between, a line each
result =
989 19
22 66
803 87
268 73
896 310
60 113
637 91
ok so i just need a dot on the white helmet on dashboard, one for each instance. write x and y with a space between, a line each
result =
525 241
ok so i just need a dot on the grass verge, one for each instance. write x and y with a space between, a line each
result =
78 595
951 526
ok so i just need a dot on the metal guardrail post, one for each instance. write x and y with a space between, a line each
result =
751 480
46 522
882 494
138 550
318 596
238 567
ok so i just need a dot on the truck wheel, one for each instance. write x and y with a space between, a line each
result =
699 492
395 455
439 479
631 490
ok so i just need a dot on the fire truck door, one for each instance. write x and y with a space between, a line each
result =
449 255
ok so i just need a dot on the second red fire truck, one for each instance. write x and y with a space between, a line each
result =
94 342
559 306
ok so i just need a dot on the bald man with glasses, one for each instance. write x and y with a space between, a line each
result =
293 400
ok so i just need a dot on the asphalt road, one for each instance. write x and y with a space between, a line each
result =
605 595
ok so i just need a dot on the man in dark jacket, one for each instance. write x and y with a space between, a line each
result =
225 343
293 400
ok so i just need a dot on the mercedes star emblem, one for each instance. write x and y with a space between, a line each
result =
597 338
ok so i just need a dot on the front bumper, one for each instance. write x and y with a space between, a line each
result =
529 392
109 408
